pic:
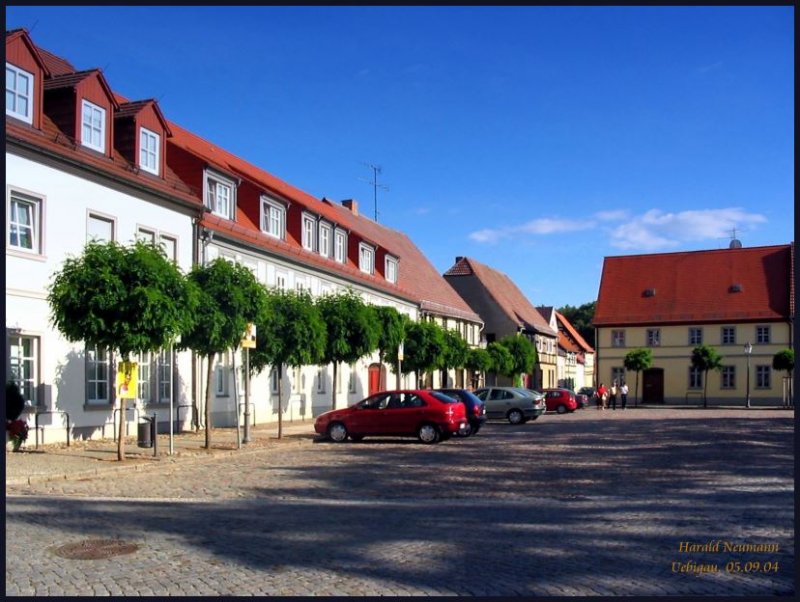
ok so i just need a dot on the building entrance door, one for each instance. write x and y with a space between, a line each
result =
377 379
653 385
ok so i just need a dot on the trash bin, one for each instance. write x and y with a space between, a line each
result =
145 438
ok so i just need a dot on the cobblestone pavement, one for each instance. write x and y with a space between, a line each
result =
585 504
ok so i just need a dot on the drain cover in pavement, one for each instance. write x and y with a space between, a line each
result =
95 549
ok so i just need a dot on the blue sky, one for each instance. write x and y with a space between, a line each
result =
537 140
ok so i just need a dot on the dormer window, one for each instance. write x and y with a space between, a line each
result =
149 146
366 258
220 195
93 126
309 230
325 240
340 246
273 218
19 93
391 269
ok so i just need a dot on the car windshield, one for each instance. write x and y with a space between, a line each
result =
525 392
462 394
444 398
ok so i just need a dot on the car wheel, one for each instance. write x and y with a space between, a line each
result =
337 432
466 431
561 409
475 429
515 417
357 438
428 433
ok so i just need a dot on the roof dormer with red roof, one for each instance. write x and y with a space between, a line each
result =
25 74
140 134
82 105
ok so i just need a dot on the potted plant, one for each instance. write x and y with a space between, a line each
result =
16 429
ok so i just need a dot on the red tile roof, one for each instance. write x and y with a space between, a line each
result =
574 334
697 287
23 33
55 64
130 109
505 293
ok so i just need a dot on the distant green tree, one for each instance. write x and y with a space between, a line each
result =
352 330
502 361
581 319
455 353
706 358
478 361
423 348
293 334
637 361
392 329
128 299
523 355
229 298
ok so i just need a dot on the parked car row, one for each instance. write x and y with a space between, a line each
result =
434 415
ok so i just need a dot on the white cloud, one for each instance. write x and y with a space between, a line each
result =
536 226
612 216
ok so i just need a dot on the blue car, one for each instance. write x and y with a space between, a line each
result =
476 410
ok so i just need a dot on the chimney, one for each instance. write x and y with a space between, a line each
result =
352 205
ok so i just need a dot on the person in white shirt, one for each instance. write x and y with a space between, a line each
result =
623 393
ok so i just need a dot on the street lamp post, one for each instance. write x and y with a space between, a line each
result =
748 349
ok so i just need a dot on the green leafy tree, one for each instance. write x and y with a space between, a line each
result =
454 354
706 358
128 299
502 361
293 334
422 349
479 361
391 332
581 319
229 298
637 361
784 361
523 355
15 402
352 331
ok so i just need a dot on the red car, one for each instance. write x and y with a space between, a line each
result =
428 415
560 400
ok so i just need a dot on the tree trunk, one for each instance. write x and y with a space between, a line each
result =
280 400
335 370
121 440
209 382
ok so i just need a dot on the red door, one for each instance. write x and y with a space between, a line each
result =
375 381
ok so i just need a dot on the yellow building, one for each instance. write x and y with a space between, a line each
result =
740 301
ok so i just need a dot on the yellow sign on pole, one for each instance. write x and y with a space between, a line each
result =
249 338
127 380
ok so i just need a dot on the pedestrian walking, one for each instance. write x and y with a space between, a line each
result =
623 393
602 396
612 395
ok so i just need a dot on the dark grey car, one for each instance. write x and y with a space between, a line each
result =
514 404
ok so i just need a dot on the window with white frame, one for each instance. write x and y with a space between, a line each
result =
762 334
145 391
273 218
146 235
164 371
340 246
221 374
170 246
325 240
98 375
695 377
728 375
24 223
309 228
274 381
24 360
728 335
19 93
322 376
149 151
351 383
99 227
220 195
391 269
653 337
763 377
695 336
302 283
366 258
281 280
93 126
617 338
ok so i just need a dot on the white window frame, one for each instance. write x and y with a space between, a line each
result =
322 374
695 336
695 378
219 204
273 218
351 379
618 338
100 217
35 205
281 280
274 381
222 375
149 151
391 269
653 337
763 334
14 95
24 365
309 229
97 358
763 376
724 332
340 246
366 258
727 377
95 126
325 232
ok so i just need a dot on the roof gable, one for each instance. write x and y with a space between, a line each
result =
754 283
21 35
574 334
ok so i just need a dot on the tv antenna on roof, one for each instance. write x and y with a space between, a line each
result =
735 242
376 169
